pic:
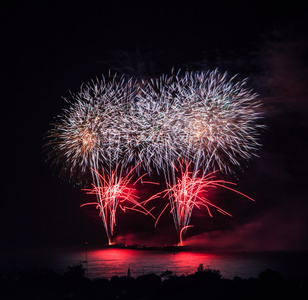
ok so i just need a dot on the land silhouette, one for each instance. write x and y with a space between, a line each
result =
203 284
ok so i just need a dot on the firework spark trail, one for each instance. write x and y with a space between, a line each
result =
88 137
152 135
113 192
202 117
215 127
190 191
222 117
88 134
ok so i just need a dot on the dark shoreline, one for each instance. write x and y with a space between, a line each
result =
171 248
204 283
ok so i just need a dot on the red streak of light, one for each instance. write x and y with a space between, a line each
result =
188 192
181 233
113 191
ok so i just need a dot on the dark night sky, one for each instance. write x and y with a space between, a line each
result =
51 47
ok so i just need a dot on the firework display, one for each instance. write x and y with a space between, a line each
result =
221 121
154 132
87 136
113 192
191 191
116 126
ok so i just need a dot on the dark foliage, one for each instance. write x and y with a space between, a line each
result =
204 284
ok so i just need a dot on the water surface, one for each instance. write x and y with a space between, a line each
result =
115 262
105 263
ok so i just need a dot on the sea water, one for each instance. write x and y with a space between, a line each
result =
105 263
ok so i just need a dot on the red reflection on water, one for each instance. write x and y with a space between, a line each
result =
112 254
110 262
105 263
180 259
192 260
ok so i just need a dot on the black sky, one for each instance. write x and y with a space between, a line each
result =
51 47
